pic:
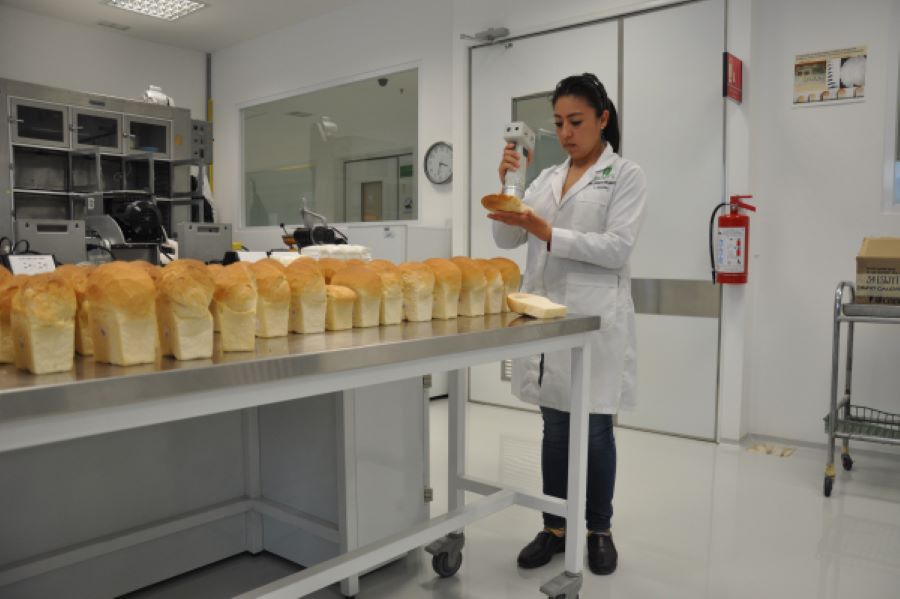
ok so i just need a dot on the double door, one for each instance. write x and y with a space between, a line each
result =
663 70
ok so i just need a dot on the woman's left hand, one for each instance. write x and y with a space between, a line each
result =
529 221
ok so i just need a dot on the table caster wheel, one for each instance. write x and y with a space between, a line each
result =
444 566
829 482
846 461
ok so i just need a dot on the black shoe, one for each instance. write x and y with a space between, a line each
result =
541 550
602 555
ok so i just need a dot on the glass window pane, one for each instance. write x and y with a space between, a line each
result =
94 130
350 150
149 137
537 112
40 123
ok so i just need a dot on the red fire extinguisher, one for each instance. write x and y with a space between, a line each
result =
729 253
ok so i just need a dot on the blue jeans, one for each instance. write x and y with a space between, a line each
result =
601 470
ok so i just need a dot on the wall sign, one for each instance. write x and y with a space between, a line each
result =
833 77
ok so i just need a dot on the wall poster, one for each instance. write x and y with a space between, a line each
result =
832 77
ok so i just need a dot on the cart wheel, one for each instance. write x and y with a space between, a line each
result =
443 567
847 461
828 484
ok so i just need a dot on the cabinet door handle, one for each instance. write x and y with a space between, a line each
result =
15 120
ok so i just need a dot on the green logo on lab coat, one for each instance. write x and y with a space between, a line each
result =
606 173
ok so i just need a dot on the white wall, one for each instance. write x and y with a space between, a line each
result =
48 51
366 39
815 173
816 176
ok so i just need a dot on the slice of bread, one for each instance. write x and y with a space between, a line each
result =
536 306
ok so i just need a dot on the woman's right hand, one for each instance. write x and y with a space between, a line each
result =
510 161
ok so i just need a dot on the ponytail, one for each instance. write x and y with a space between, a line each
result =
590 89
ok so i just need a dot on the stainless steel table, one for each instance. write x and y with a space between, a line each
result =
97 398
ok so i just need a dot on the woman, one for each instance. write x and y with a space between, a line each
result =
585 221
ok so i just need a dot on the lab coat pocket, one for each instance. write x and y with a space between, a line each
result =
590 210
594 294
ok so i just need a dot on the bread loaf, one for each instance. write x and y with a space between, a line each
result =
9 287
122 305
537 306
308 299
512 277
499 202
183 312
418 291
339 307
474 285
214 270
43 324
234 301
366 283
495 291
151 269
329 266
391 311
4 274
447 286
77 277
274 304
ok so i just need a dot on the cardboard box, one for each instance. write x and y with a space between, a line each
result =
878 271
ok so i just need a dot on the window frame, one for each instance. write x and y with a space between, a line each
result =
240 207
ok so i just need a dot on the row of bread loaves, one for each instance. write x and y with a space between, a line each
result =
128 313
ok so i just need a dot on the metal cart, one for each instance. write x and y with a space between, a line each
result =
845 420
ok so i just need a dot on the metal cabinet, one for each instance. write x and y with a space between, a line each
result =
67 153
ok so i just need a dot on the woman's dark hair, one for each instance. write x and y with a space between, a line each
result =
589 88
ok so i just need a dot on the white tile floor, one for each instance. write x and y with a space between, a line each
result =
693 520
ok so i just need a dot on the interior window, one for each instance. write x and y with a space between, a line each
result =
350 150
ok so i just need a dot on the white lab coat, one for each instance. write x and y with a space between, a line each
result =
595 226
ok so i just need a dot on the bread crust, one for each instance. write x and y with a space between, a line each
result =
122 286
236 288
46 299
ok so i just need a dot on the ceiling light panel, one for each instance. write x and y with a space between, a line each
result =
167 10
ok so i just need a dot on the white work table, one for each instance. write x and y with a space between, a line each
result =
97 399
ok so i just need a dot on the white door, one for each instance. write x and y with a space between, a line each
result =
673 115
515 80
672 125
